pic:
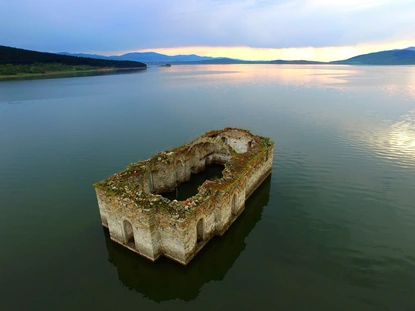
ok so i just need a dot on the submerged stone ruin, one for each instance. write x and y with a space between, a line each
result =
142 220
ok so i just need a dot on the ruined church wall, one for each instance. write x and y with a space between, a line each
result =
237 140
197 154
237 145
189 226
197 165
138 182
152 244
206 152
217 158
175 232
171 237
164 178
144 182
228 205
205 213
223 213
182 170
260 168
103 205
118 212
238 202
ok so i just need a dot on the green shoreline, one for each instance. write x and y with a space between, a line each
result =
67 73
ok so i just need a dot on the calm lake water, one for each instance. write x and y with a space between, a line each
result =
333 227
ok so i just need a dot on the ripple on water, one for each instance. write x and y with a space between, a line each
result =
396 142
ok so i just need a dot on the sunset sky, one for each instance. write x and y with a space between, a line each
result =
252 29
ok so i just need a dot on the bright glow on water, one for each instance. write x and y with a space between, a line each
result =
332 228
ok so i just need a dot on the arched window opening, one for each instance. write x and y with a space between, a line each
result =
128 233
200 230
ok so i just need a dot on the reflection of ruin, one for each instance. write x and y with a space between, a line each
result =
185 282
142 220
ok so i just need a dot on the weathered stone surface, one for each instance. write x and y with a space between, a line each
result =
147 223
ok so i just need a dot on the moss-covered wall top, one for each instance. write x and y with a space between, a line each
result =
238 148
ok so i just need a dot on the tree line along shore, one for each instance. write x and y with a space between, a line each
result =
20 63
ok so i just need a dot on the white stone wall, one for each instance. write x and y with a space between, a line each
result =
172 241
102 204
239 141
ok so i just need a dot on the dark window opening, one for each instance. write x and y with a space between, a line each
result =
128 233
199 230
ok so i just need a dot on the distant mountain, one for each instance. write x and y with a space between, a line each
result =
152 57
391 57
15 56
147 57
223 60
157 58
95 56
295 62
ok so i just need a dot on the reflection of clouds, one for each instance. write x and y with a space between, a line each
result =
397 141
311 75
391 80
402 136
368 95
399 90
296 75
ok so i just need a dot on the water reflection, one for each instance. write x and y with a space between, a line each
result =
394 90
403 135
397 141
165 279
298 75
76 74
341 77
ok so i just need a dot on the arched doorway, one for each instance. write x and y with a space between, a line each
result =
200 230
128 233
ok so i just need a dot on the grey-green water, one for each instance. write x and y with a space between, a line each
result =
333 227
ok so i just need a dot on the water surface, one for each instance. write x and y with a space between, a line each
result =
333 227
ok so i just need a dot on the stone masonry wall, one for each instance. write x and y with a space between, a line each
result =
152 226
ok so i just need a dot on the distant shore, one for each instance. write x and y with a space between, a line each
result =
66 73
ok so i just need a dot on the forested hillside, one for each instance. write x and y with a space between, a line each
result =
18 61
392 57
14 56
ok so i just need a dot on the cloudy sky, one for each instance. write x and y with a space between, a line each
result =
246 29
